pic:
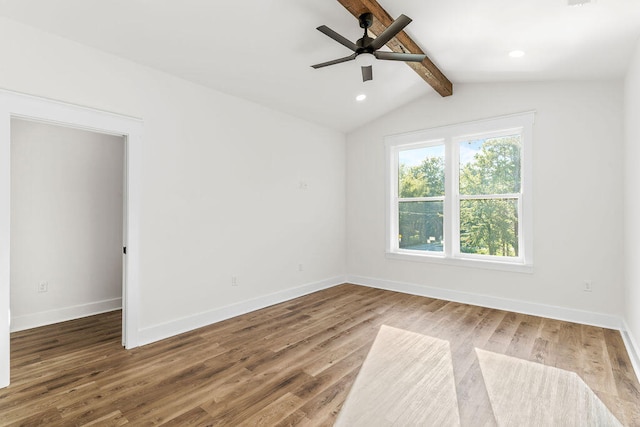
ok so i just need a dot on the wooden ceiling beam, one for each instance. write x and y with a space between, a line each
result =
400 43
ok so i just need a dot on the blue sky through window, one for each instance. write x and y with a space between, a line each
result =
468 150
415 156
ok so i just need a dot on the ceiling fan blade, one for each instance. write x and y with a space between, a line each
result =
367 73
337 37
396 56
390 32
335 61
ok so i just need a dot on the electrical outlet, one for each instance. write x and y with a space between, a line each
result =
234 280
43 287
588 286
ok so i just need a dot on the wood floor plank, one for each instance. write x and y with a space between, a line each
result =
597 371
193 417
323 409
570 356
264 391
288 364
114 419
524 337
503 334
473 399
274 412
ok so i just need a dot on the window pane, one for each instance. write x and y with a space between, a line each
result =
421 226
489 227
421 172
490 166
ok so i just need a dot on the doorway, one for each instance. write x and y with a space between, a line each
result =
67 207
25 107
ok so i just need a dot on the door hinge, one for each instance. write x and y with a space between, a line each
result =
124 250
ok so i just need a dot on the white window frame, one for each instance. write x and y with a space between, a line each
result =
451 136
394 188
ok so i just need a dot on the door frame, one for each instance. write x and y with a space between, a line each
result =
28 107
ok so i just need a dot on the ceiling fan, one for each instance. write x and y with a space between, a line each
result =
367 47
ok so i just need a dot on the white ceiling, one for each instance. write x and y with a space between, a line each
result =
261 50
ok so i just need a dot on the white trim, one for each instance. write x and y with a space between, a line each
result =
460 129
34 320
524 307
391 193
453 191
485 263
451 216
633 349
5 234
186 324
13 104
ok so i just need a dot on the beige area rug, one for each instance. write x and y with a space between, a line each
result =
524 393
406 380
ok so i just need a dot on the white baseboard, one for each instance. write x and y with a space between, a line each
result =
34 320
632 348
524 307
169 329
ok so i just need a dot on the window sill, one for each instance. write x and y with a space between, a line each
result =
459 262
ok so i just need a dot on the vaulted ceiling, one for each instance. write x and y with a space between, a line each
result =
261 50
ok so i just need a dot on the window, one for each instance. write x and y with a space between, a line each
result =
461 194
421 198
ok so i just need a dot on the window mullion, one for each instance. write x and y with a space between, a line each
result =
450 205
395 208
521 243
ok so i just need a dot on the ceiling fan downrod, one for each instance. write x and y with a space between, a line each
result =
364 44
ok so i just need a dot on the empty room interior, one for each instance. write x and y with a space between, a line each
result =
351 212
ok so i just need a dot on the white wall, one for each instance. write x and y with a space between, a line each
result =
220 178
632 198
577 195
66 223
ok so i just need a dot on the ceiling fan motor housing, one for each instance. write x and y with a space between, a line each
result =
364 45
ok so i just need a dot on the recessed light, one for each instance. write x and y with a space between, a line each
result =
516 54
578 2
361 97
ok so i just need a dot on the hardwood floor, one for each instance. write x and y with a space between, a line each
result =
289 364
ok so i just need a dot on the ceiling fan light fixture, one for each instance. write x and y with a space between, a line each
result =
361 97
365 59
